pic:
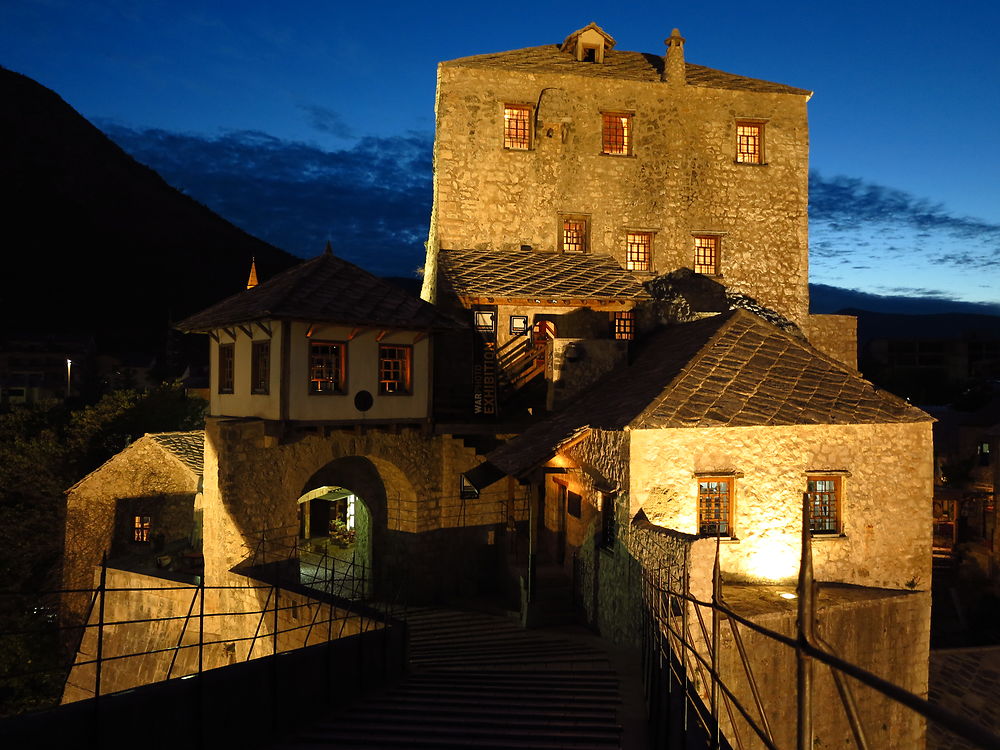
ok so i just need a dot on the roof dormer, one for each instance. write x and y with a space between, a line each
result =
589 43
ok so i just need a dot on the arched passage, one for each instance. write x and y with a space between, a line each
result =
379 491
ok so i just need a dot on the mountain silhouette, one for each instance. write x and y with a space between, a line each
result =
97 244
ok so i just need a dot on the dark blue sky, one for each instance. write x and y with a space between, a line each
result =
306 120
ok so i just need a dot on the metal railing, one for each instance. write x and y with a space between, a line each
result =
256 618
694 668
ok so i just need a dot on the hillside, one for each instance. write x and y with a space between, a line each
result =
97 243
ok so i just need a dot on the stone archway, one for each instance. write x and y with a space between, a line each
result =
385 492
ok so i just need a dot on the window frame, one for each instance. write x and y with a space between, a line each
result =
227 368
142 528
340 387
704 522
837 527
633 265
585 220
406 370
510 136
759 126
260 367
623 325
626 121
716 240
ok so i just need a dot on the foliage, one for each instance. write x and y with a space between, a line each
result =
44 449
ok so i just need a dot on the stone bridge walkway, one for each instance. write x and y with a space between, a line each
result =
967 681
480 681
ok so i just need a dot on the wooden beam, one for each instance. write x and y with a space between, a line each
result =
231 333
247 331
265 328
312 329
382 334
214 336
420 336
357 332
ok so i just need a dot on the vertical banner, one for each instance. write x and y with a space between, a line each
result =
484 362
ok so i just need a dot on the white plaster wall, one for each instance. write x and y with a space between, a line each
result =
362 375
241 402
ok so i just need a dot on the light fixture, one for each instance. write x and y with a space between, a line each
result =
787 595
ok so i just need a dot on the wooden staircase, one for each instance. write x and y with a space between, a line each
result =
480 681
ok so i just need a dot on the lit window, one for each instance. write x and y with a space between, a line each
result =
824 504
638 250
706 255
624 325
715 506
517 127
327 367
227 367
616 133
141 526
260 367
394 368
573 238
750 142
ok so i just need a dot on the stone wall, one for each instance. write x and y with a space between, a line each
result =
408 480
834 335
887 634
680 180
151 479
138 653
886 506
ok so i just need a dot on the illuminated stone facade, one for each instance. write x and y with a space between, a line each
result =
678 177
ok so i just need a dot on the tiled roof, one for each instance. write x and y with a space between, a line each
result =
729 370
634 66
188 447
524 274
325 289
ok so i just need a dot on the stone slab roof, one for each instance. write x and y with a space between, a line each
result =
325 289
525 274
728 370
633 66
188 447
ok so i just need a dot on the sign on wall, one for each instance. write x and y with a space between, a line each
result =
484 362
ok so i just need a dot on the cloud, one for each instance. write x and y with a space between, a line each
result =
326 120
372 200
911 301
842 210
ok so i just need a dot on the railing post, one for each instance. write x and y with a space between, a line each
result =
101 592
201 647
806 623
716 622
100 623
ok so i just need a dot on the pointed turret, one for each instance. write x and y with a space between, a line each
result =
328 250
252 281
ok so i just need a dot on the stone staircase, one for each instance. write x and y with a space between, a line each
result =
480 681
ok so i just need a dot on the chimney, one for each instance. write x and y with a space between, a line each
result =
674 71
